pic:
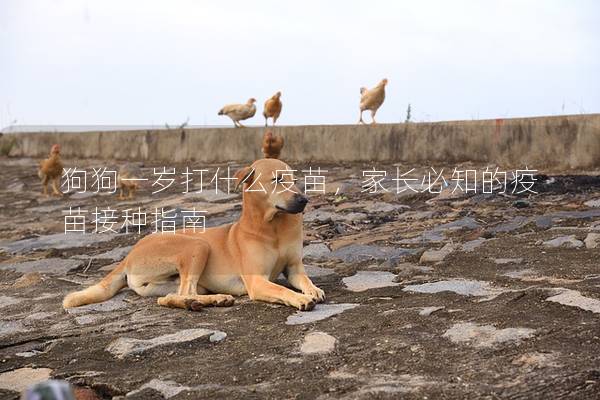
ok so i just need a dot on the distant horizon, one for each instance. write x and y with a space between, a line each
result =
108 127
91 62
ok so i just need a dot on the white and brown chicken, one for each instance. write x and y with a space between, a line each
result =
372 99
239 112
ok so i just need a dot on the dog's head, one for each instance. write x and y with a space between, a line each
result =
270 184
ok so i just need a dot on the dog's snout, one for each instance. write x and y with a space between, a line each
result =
296 204
301 199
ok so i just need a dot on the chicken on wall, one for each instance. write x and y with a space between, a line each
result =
272 145
272 108
372 99
239 112
50 170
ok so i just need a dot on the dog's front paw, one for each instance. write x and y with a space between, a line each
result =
318 295
223 300
304 302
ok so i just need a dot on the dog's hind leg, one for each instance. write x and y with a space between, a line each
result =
190 269
104 290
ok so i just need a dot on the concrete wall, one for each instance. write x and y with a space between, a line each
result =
560 142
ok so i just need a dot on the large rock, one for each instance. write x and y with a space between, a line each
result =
6 301
20 379
318 343
592 240
593 203
485 335
463 287
123 347
365 280
322 216
472 245
564 241
116 254
57 266
317 272
57 241
320 312
167 389
316 250
573 298
362 252
432 256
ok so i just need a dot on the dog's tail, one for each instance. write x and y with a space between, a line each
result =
221 111
102 291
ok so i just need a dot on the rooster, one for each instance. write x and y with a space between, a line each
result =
51 170
372 99
239 112
272 108
128 179
272 145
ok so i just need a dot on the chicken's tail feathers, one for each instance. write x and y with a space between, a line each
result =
221 111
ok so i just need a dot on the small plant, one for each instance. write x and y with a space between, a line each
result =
6 145
408 112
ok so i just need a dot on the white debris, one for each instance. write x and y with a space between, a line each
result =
318 343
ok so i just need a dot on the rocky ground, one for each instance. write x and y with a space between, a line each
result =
428 296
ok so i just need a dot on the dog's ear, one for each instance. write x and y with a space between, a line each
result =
244 175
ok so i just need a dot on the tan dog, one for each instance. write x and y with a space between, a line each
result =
234 259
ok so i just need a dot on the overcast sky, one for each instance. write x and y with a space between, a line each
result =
119 62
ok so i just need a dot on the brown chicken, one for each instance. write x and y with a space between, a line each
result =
50 170
372 99
272 145
128 179
272 108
